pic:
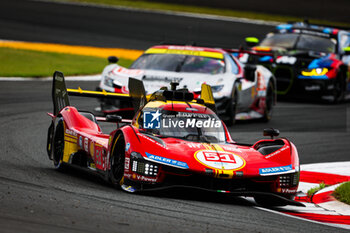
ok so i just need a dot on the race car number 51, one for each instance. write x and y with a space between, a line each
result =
214 156
220 159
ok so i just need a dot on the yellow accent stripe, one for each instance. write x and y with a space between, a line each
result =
103 93
70 136
217 147
70 140
186 52
73 49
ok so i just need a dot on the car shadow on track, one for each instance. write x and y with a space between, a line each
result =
185 194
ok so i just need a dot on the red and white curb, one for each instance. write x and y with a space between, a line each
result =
322 207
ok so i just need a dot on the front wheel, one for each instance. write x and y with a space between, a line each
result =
117 160
339 88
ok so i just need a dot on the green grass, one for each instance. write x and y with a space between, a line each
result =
203 10
26 63
342 193
312 191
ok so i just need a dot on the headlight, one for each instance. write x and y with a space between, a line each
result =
108 81
141 166
314 72
217 88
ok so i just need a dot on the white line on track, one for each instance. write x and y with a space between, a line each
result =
308 220
168 12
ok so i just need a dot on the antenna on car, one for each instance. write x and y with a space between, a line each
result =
174 84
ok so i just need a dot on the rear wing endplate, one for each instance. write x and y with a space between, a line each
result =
59 93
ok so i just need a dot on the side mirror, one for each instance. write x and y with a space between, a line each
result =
114 118
251 41
271 132
346 51
249 72
113 59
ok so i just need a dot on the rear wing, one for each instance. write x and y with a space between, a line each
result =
136 89
60 93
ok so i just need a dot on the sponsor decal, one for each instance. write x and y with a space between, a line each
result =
288 190
277 152
86 144
140 177
92 149
98 159
220 159
167 161
127 146
194 145
274 170
191 109
186 51
286 60
71 132
127 72
144 178
230 148
127 164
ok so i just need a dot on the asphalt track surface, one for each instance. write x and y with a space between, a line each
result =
36 198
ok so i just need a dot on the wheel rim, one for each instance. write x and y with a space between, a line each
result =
117 167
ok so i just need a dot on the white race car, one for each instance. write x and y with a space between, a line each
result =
240 91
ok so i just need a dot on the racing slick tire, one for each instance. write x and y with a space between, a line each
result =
49 142
232 108
339 88
58 145
269 102
117 160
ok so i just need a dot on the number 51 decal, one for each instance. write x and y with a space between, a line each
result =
220 159
223 157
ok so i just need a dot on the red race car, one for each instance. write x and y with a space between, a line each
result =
173 140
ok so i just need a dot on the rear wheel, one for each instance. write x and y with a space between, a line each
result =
58 145
232 108
269 101
117 160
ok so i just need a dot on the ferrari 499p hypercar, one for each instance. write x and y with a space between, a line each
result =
173 140
307 60
240 91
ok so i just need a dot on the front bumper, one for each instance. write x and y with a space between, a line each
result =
281 186
290 82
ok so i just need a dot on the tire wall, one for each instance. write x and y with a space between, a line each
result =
336 10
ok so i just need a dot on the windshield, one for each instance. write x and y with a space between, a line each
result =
179 63
300 42
185 125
